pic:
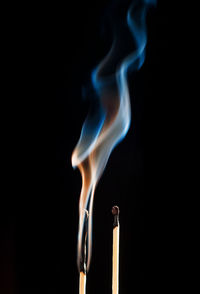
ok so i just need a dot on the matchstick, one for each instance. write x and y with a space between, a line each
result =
115 265
83 269
82 283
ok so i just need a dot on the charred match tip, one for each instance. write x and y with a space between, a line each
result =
83 268
83 261
115 212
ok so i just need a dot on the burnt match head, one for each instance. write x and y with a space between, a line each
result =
115 212
83 254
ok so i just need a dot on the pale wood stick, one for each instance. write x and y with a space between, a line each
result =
83 267
82 283
115 260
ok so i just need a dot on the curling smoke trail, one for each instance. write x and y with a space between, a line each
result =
109 119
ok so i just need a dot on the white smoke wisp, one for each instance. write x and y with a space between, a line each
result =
109 122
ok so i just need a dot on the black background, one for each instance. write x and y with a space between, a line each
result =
49 55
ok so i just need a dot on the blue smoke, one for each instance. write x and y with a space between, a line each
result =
110 115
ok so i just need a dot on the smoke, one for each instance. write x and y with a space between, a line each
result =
109 117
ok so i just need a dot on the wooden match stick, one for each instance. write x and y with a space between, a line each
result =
82 276
115 265
82 283
83 270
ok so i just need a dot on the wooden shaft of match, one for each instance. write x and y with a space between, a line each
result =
115 271
82 283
